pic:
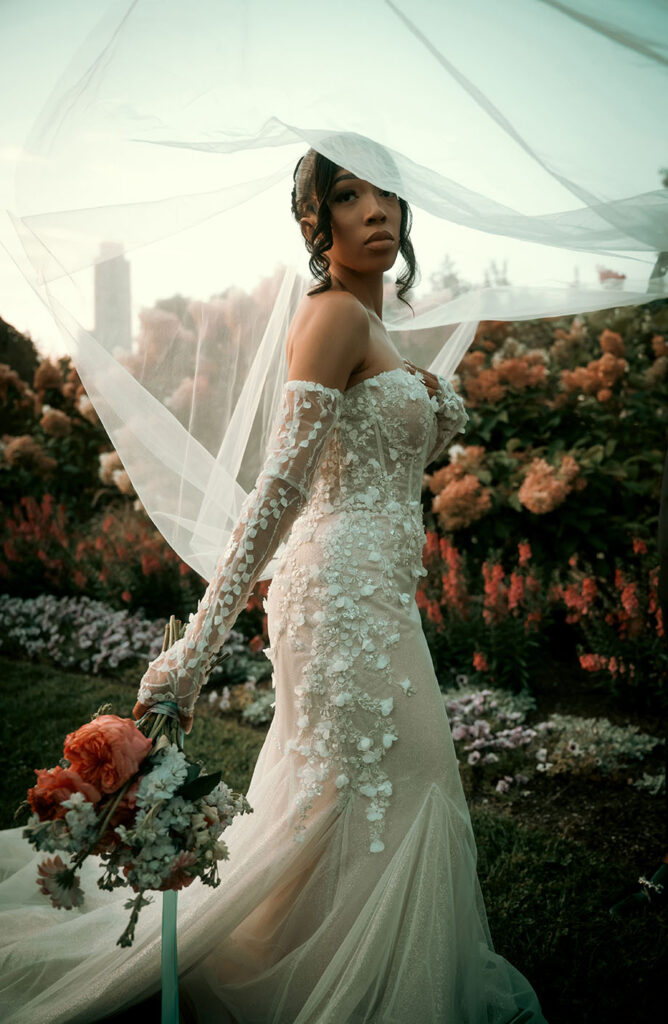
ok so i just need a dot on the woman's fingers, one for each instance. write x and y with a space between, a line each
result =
186 720
139 710
430 380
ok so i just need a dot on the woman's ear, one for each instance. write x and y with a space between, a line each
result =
307 225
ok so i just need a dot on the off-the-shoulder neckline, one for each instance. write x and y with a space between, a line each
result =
322 387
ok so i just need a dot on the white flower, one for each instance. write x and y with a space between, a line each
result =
382 660
405 685
342 698
388 739
365 743
164 778
342 780
541 755
473 757
368 789
377 846
81 818
386 705
303 721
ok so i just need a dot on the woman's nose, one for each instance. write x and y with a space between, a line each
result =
375 212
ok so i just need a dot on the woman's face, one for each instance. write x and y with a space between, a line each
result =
359 212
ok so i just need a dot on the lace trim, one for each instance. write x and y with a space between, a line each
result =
315 385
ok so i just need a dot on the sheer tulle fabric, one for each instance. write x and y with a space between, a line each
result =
494 120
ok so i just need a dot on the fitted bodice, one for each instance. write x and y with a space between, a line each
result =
375 456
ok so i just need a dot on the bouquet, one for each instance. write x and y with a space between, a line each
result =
126 792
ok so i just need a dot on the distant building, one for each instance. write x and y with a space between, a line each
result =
113 318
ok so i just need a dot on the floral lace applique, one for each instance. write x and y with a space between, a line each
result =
308 414
343 478
451 418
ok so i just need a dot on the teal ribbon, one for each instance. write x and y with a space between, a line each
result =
169 953
170 967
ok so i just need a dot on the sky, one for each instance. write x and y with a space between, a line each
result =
39 38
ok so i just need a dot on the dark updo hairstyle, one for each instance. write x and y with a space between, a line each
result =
313 179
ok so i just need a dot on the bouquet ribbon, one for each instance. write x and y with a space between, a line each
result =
169 952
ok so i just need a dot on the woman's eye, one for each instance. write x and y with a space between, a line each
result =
392 195
342 196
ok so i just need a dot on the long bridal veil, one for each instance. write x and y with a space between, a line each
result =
152 213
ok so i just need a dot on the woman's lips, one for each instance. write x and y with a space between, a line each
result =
380 244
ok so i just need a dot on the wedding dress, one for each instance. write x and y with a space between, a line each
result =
351 894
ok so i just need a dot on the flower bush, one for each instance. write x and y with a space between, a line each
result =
493 622
498 624
50 438
621 636
120 558
489 727
582 746
77 633
566 438
88 636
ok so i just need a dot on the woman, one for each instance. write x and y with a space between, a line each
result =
351 893
384 920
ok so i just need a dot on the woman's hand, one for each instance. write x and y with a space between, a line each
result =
430 380
186 720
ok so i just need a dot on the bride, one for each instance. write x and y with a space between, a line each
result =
351 894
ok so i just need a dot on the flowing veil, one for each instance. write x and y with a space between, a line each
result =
168 146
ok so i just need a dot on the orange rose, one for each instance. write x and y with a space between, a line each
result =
107 751
55 785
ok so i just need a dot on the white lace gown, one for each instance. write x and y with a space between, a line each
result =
351 894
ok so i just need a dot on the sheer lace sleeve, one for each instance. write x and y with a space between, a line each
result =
308 413
451 418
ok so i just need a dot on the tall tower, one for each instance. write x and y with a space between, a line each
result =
113 326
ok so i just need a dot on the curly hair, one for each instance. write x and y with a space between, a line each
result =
313 178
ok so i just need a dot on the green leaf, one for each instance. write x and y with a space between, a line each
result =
198 787
193 772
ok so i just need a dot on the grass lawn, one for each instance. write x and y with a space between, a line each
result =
550 865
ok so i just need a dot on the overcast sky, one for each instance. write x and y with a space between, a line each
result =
39 37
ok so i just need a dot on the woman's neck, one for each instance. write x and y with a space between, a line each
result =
367 288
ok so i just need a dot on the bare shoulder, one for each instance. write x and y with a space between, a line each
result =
328 338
